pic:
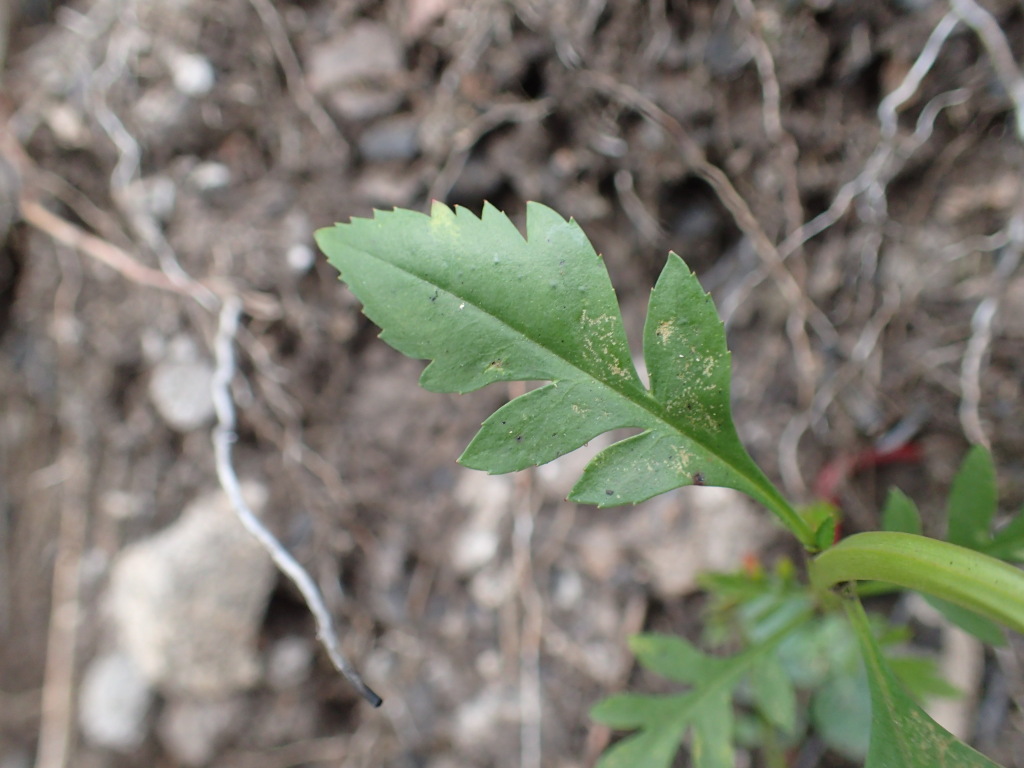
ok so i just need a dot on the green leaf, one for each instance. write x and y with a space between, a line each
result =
902 734
774 694
841 713
626 711
673 657
825 534
807 654
711 744
972 500
900 513
984 629
1008 542
705 709
663 721
823 518
486 305
921 677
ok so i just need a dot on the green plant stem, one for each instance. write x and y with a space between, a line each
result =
959 575
774 754
790 518
875 589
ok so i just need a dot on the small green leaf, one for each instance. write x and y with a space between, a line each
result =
841 713
711 744
774 694
663 721
811 652
626 711
921 677
823 518
900 513
705 709
1008 541
984 629
972 500
902 734
825 534
487 305
673 657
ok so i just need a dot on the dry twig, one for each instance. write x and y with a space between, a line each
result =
981 334
292 68
66 233
771 98
57 726
991 35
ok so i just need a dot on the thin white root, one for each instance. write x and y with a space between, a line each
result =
223 438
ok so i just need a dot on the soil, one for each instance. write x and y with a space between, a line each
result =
206 141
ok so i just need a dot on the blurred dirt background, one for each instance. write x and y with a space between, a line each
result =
845 177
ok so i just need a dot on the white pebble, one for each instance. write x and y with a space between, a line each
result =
113 703
192 74
181 393
300 258
207 177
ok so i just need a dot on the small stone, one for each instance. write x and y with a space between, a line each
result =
682 535
289 662
193 731
477 720
493 587
191 73
353 68
188 601
121 505
568 590
394 139
68 125
801 52
474 548
487 498
181 392
160 112
210 176
488 664
113 703
385 189
300 258
727 51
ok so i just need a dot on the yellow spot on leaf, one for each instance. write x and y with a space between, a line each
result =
685 457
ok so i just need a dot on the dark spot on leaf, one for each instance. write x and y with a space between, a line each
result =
698 478
519 438
609 492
